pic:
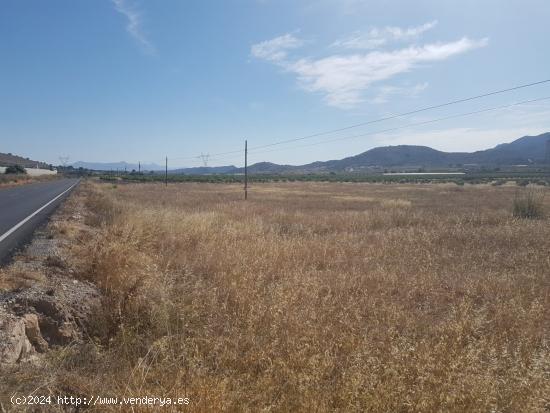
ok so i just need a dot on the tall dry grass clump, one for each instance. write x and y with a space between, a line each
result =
529 204
314 297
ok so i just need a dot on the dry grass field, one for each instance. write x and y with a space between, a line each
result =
310 297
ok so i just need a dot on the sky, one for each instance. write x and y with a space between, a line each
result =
138 80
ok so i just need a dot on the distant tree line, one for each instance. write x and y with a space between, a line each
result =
493 177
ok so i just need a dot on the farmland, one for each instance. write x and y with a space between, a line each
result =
309 297
537 177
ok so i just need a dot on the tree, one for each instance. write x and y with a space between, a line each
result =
15 169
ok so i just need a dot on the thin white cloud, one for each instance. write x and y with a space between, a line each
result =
377 37
385 92
342 79
134 23
276 50
411 33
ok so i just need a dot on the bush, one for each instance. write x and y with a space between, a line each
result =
522 182
15 169
530 204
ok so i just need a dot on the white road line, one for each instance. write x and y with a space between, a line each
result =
20 224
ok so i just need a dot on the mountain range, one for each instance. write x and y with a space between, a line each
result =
528 150
523 151
117 166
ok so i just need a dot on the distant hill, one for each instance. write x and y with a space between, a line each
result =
7 159
387 156
114 166
526 150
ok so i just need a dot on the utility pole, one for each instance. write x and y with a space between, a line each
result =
139 167
166 173
245 169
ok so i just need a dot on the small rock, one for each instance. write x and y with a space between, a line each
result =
67 332
57 333
32 329
14 344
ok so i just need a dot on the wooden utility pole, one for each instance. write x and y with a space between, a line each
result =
245 170
166 173
139 167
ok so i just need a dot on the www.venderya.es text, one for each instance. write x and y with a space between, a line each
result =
95 400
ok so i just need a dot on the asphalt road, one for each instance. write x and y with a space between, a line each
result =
26 207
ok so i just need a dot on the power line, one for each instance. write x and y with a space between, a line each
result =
485 110
399 115
412 124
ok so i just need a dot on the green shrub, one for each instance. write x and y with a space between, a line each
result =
529 204
15 169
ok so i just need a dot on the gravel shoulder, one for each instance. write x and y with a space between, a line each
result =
42 304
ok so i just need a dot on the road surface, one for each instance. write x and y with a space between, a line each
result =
24 208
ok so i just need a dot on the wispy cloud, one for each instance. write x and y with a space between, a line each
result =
377 37
343 78
385 92
276 50
134 24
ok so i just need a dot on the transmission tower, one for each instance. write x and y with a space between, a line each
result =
204 158
64 161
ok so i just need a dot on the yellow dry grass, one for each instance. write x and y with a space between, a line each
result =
373 298
17 278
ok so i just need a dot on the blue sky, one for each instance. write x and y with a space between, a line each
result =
136 80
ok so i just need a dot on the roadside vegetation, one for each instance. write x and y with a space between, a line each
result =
15 169
12 179
13 174
309 297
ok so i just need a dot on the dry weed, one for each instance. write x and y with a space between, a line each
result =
425 300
